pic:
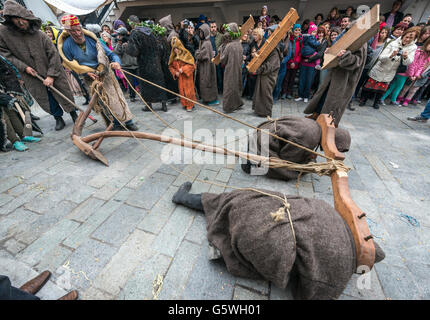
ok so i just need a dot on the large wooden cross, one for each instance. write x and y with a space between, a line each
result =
362 31
284 26
249 24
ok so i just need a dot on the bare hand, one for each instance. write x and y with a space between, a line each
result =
180 70
115 65
293 65
49 81
405 55
395 52
93 76
413 78
31 71
341 53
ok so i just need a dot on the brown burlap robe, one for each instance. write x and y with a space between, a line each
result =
253 245
303 131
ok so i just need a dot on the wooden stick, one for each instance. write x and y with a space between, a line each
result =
343 203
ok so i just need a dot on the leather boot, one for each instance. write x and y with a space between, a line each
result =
33 117
164 106
183 197
60 124
74 116
34 285
72 295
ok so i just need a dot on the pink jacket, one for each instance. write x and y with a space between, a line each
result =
420 63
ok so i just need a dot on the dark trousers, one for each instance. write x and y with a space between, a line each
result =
132 80
82 85
281 76
219 78
288 84
305 81
363 79
7 292
54 106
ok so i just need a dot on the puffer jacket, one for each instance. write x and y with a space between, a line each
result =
386 67
420 63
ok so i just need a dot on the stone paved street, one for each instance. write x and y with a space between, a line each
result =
113 232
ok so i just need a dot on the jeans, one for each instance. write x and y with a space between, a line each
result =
279 82
8 292
426 112
305 81
395 88
54 106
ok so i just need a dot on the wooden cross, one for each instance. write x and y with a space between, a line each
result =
271 43
362 31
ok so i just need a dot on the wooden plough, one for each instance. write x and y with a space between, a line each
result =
353 216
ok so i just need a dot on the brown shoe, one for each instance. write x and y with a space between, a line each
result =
72 295
34 285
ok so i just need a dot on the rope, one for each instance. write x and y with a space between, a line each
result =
232 118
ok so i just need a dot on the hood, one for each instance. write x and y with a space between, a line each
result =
206 31
342 140
184 56
202 17
167 23
13 9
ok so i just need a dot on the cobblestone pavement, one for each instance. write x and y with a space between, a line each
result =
113 232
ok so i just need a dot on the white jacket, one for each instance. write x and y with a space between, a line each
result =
386 67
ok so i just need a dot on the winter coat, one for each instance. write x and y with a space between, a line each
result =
205 67
397 18
340 84
267 75
37 51
420 63
296 54
310 46
127 61
190 44
385 68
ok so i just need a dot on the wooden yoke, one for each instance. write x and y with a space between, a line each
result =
361 32
343 203
271 43
249 24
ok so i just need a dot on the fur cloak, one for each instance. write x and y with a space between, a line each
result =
340 84
33 49
144 45
205 67
232 59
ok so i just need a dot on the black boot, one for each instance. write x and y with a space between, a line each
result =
246 167
164 106
362 102
145 108
74 116
377 101
189 200
33 117
60 124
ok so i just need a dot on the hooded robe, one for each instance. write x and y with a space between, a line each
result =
34 49
339 85
267 75
232 59
205 67
167 23
303 131
254 245
184 61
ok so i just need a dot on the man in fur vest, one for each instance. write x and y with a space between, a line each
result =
32 52
260 236
83 53
303 131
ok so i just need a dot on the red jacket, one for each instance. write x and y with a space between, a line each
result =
296 57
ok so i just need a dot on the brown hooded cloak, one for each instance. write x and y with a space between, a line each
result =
34 49
267 74
232 59
254 245
205 67
340 85
303 131
167 23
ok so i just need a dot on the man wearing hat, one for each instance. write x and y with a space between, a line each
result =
83 53
32 52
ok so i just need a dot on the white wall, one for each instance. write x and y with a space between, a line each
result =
41 10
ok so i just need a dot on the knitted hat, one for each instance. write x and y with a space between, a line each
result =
69 21
297 26
118 23
312 27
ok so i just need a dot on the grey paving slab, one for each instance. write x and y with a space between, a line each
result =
119 225
245 294
85 209
16 221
